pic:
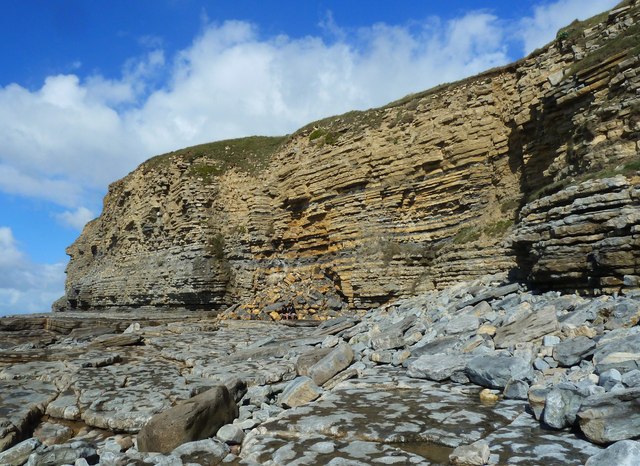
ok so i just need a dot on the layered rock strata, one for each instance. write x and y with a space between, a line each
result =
383 204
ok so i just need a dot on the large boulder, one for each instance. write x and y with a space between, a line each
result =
437 367
611 417
535 325
623 453
300 391
336 361
561 407
494 371
195 419
573 350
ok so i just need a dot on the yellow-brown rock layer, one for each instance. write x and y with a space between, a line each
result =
386 203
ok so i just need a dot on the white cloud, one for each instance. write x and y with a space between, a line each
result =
548 18
25 286
67 140
77 218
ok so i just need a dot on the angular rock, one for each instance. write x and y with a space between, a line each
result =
573 350
436 367
622 453
535 325
336 361
462 324
194 419
231 434
494 371
516 390
18 454
308 359
611 417
476 454
300 391
561 407
609 379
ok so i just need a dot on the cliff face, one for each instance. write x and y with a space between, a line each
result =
531 169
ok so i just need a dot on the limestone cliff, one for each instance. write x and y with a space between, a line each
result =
530 169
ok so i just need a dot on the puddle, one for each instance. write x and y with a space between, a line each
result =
436 454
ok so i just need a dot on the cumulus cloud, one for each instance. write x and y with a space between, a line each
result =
25 286
77 218
548 18
73 136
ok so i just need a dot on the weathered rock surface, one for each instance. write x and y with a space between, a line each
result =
611 417
197 418
623 453
495 371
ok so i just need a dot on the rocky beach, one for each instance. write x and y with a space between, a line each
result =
453 278
485 372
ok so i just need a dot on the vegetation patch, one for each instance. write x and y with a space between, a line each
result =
467 235
216 246
250 155
497 229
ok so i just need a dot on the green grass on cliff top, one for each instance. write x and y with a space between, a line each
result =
250 155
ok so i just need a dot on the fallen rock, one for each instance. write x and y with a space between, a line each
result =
462 324
573 350
336 361
494 371
231 434
300 391
622 453
561 407
611 417
476 454
535 325
67 453
18 454
437 367
516 390
197 418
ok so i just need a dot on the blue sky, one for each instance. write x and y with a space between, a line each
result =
90 89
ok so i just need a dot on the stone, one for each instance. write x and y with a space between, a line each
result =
309 358
334 362
486 329
476 454
300 391
535 325
516 390
50 433
207 451
573 350
462 324
124 339
18 454
611 417
436 367
193 419
488 396
632 378
561 407
537 397
231 434
494 371
622 453
610 378
550 340
68 453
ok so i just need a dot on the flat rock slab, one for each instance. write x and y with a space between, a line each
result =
524 442
21 405
535 325
270 450
397 410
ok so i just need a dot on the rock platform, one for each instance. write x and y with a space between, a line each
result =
428 380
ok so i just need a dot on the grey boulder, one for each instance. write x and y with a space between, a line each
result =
623 453
494 371
195 419
573 350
